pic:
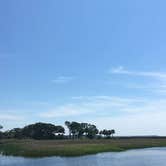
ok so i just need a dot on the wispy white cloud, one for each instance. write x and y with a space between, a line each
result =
67 110
155 81
146 123
104 106
6 117
62 79
127 115
122 70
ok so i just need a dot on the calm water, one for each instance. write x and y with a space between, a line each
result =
142 157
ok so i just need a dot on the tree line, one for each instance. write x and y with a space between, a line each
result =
40 130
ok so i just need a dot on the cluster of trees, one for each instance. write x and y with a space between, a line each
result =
1 134
107 133
36 131
50 131
78 130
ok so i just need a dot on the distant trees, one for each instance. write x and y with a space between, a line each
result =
112 132
42 131
107 133
36 131
14 133
75 128
50 131
1 127
92 131
78 130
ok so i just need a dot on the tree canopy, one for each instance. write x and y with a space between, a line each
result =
42 131
1 134
107 133
50 131
77 130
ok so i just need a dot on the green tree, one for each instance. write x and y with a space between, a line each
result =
112 132
92 131
84 129
101 133
104 132
42 131
14 133
107 133
75 129
1 134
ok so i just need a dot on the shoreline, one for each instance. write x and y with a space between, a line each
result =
74 148
38 157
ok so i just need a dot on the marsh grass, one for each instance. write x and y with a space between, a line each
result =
45 148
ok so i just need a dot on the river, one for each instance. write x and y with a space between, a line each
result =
139 157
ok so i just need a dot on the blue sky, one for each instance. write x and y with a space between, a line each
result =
97 61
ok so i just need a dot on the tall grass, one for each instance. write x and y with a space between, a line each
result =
34 148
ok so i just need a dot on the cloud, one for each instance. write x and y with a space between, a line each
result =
103 106
147 123
154 82
129 116
122 70
68 110
62 79
6 117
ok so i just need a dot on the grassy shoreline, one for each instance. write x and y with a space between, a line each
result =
68 148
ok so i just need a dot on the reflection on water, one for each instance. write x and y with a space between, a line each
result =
142 157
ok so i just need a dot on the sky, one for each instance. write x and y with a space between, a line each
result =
94 61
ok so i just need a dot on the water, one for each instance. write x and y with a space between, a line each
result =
141 157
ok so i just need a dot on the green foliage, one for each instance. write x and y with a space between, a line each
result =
92 131
49 131
78 130
14 133
107 133
43 148
1 134
42 131
35 131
